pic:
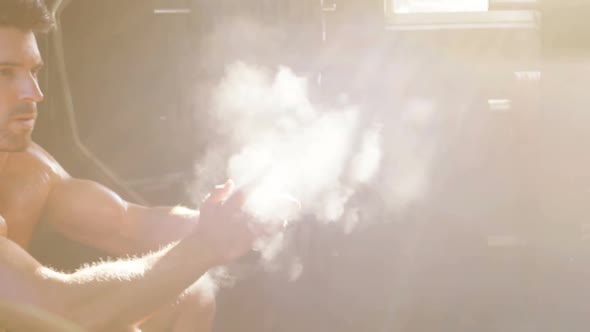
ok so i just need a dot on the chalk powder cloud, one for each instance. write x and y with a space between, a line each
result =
301 149
277 145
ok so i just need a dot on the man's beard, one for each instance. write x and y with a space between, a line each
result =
11 141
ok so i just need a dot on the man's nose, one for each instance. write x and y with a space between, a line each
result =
30 90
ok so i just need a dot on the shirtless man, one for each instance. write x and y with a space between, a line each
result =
160 291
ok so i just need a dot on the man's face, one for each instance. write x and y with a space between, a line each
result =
20 61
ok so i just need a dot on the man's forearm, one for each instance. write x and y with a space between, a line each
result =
148 229
124 292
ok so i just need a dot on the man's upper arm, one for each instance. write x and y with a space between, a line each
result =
90 213
82 210
85 211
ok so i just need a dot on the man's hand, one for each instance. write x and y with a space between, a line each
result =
223 228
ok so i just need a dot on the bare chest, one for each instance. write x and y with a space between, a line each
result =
22 197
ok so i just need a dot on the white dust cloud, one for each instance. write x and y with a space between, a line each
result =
297 159
285 148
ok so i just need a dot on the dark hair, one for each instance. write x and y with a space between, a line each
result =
26 15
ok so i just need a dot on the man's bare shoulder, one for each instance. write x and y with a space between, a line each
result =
37 159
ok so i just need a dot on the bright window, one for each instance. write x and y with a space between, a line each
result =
437 6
